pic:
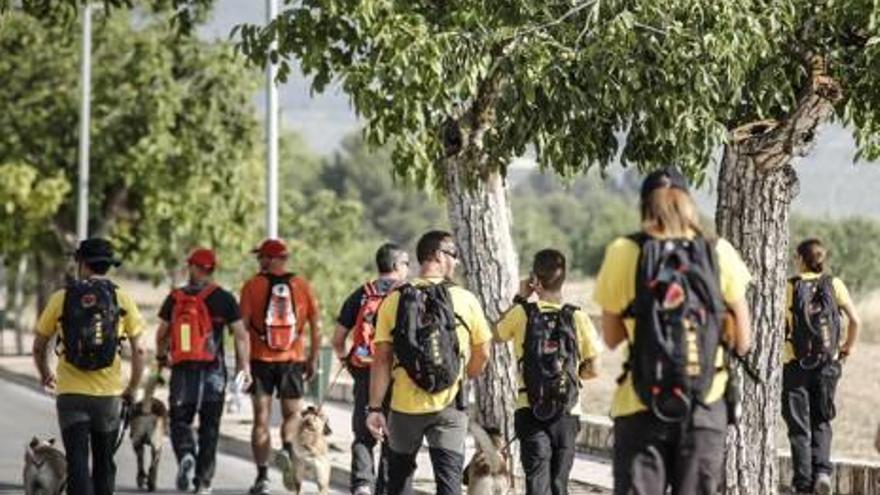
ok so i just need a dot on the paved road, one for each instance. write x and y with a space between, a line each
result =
25 413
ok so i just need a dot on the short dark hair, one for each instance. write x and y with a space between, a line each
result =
814 254
386 256
430 243
98 267
549 269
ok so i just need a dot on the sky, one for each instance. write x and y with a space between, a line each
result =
830 183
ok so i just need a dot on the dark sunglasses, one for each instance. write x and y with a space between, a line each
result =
451 253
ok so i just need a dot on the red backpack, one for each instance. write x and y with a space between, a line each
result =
362 348
192 330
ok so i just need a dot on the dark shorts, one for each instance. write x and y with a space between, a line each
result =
283 379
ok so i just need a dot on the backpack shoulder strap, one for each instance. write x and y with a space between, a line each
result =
207 291
640 238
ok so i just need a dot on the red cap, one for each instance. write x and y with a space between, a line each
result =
202 257
273 248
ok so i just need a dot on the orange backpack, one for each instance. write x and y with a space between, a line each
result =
280 322
192 330
362 348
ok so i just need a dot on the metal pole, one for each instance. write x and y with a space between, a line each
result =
271 134
82 219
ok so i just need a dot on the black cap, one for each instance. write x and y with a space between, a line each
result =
664 177
96 250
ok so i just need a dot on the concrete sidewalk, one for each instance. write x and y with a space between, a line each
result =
590 474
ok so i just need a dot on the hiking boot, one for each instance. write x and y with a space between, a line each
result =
261 487
823 484
185 472
285 464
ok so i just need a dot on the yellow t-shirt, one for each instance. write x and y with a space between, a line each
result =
615 290
406 396
72 380
841 295
513 327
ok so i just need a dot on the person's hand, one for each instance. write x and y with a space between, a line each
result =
309 371
243 379
128 394
526 287
161 360
49 383
845 351
377 426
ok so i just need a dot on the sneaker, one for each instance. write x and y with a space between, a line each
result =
203 488
823 484
185 472
284 463
261 487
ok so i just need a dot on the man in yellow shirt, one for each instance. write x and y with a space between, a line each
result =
664 435
431 335
556 347
93 317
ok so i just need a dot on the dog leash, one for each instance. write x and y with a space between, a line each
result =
125 418
330 387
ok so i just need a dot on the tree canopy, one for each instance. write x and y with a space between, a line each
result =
173 136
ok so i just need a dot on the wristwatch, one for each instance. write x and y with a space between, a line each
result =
371 409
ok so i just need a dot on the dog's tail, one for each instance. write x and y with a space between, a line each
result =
484 442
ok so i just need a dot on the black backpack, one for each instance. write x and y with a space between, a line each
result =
425 340
816 327
678 313
90 324
550 361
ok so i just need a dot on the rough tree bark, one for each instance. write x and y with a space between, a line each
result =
756 185
480 216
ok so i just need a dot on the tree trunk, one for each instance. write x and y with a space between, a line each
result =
753 211
756 186
481 220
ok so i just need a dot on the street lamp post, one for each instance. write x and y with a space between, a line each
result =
82 218
271 134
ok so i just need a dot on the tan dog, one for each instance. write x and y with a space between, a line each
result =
45 468
149 423
310 450
487 472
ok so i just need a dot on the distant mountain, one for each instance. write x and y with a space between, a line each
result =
830 184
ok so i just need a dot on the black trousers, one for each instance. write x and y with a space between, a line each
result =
688 457
547 451
362 462
183 437
809 434
89 423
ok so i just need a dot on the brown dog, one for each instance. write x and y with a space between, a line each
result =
487 472
310 450
149 423
45 468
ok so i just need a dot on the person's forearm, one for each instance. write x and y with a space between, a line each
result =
242 351
137 366
163 340
339 340
380 379
477 362
852 334
40 361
